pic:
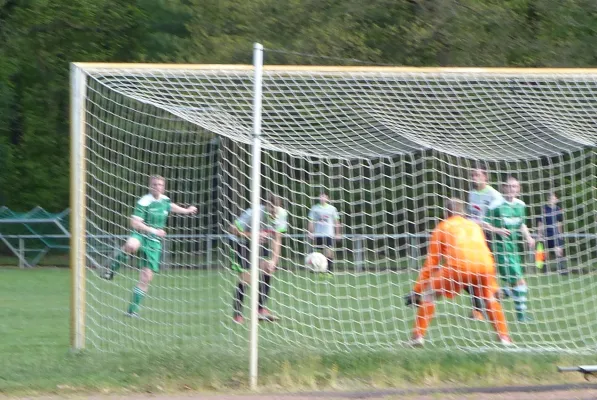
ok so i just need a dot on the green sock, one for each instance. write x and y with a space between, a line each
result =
138 295
121 258
519 295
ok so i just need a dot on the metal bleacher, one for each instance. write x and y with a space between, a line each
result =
31 235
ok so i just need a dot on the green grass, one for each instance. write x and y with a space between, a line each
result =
340 334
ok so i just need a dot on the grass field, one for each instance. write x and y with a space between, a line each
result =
334 334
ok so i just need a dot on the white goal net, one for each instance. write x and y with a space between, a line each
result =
388 146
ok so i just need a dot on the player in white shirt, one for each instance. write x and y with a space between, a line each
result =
480 199
324 227
273 224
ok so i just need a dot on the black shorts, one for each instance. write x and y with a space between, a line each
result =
552 242
324 242
242 260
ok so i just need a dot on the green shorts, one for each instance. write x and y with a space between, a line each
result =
509 267
150 252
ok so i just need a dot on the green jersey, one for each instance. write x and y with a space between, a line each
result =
511 216
153 212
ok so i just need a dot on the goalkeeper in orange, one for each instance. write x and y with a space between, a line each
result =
457 257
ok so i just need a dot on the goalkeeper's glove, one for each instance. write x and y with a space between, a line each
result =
412 299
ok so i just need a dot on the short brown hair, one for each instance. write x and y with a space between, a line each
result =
157 177
481 167
455 206
273 200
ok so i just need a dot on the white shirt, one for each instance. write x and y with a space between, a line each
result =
481 200
324 218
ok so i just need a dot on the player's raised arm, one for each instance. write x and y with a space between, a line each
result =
175 208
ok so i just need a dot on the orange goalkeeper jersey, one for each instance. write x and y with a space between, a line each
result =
459 244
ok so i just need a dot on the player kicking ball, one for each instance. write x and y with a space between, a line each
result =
147 222
273 223
507 220
458 257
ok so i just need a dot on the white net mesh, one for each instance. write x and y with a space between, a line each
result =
389 146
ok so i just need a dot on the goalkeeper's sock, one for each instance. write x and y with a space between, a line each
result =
121 258
138 295
264 289
424 316
495 312
519 295
238 299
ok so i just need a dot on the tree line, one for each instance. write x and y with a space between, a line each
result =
39 38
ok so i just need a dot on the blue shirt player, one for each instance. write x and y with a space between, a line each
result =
549 227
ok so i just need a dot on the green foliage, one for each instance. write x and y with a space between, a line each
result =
38 38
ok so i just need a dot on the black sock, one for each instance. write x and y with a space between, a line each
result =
264 288
330 265
238 299
477 302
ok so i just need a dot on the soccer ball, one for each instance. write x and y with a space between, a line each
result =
317 262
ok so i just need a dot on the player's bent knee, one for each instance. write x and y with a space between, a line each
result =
146 275
132 245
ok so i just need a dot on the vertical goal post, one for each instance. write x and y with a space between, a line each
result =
78 261
389 145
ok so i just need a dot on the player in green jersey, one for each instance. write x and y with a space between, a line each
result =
507 220
147 222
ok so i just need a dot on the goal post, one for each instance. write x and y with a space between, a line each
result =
388 146
78 260
255 205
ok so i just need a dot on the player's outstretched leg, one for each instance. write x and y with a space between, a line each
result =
131 246
118 261
496 315
425 312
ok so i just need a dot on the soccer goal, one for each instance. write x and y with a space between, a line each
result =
388 146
